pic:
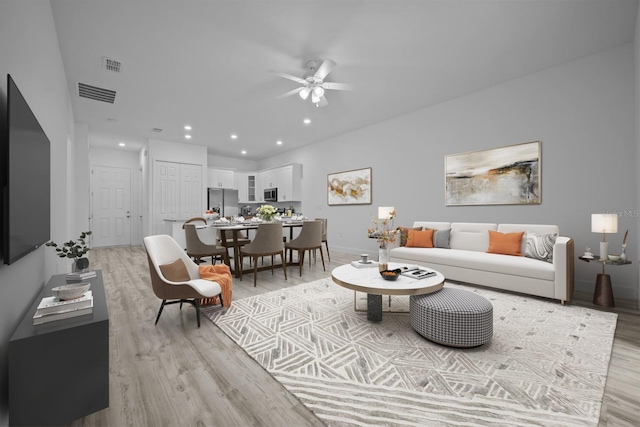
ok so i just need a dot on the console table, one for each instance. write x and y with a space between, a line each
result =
59 371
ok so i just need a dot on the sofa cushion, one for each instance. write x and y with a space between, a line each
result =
471 236
404 234
473 260
540 246
528 228
441 239
420 239
175 271
505 243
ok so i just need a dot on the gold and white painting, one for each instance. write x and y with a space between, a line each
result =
349 187
499 176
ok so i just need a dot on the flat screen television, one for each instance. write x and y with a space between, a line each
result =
26 196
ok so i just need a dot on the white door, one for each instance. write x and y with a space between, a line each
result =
111 206
166 192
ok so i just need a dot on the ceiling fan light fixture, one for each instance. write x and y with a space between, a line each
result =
318 91
304 92
315 98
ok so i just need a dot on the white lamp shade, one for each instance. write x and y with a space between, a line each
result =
384 212
304 93
604 223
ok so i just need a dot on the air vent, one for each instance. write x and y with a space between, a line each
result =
156 130
96 93
111 64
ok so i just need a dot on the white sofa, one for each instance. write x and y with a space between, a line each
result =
468 261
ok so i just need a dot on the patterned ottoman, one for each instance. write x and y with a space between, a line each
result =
452 317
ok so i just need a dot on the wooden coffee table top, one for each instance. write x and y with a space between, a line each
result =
369 280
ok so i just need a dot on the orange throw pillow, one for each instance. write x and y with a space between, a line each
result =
420 239
505 243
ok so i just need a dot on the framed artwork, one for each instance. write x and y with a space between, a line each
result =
498 176
349 188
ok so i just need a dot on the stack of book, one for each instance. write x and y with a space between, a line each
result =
52 308
80 277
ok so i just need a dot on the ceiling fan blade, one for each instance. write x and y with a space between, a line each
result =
291 92
337 86
324 69
290 77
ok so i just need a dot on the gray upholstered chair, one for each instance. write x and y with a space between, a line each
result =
197 249
324 235
175 277
309 239
267 241
194 220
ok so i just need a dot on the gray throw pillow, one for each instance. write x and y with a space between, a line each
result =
441 239
540 246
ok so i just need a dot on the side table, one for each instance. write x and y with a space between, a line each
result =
603 295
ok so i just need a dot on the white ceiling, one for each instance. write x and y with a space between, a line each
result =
206 63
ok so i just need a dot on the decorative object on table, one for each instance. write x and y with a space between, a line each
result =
266 212
80 276
498 176
384 233
74 249
390 275
587 253
604 223
349 187
364 258
70 291
53 308
614 257
623 254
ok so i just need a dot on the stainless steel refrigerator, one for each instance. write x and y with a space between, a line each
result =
223 201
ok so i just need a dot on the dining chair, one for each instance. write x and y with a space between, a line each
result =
197 249
309 239
324 235
195 219
267 241
175 277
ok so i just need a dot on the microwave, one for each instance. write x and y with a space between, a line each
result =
271 195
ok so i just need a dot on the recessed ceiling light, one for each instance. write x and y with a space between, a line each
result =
122 144
234 136
244 151
307 121
187 136
279 142
187 127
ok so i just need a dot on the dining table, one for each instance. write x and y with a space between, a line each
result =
237 228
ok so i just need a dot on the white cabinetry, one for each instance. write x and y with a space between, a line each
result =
290 183
246 184
220 178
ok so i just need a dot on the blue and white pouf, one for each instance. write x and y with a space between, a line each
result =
452 317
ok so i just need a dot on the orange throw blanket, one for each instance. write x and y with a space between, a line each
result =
222 275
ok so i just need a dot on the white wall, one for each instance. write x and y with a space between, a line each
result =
636 47
231 163
582 111
29 52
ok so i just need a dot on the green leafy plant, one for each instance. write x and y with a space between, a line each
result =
72 249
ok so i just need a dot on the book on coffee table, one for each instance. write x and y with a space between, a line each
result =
418 273
360 264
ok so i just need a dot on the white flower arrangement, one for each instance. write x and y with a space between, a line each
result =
266 212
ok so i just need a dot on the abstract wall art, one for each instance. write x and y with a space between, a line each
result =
498 176
349 187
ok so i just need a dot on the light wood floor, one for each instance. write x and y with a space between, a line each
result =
174 374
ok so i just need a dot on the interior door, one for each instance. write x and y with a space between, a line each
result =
111 206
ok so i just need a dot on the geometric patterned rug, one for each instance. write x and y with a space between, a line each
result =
546 364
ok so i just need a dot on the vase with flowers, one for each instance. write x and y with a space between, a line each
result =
266 212
75 249
385 234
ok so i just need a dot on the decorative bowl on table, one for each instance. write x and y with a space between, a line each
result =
70 291
390 274
614 257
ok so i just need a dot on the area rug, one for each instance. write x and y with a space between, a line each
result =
546 364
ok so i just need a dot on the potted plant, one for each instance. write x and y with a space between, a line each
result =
75 250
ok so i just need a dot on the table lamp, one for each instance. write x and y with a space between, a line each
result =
604 223
384 212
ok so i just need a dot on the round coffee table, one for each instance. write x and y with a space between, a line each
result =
369 281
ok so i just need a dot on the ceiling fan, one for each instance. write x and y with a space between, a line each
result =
313 82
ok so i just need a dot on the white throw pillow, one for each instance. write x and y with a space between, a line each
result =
540 246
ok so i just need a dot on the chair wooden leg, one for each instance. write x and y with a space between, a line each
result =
272 262
283 258
196 304
221 302
300 260
328 254
255 271
322 258
241 264
160 311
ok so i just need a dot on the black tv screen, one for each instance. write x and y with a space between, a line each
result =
26 191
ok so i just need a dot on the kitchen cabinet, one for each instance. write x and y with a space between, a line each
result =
246 184
220 178
289 183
